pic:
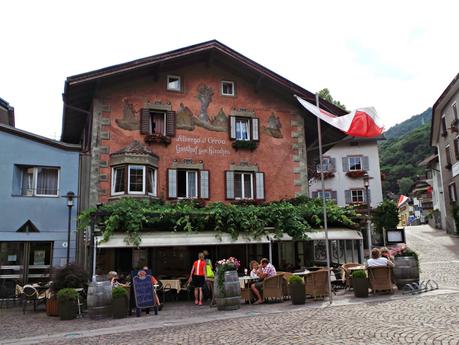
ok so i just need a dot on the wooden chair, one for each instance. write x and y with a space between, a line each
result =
316 283
273 288
246 294
380 279
348 274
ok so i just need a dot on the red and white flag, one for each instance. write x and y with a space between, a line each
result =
401 200
362 122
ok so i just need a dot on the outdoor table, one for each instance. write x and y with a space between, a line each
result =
301 274
246 280
172 284
350 269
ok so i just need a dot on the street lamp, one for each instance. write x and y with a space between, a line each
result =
366 183
70 196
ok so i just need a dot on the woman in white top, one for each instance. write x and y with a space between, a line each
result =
255 269
378 261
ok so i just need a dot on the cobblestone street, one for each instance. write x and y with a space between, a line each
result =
429 318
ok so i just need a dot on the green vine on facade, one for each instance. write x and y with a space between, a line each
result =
295 217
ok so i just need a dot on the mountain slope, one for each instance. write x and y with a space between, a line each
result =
407 144
409 125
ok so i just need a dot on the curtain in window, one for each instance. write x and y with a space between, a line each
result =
157 123
27 182
47 181
242 130
151 182
192 193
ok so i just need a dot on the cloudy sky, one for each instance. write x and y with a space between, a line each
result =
397 56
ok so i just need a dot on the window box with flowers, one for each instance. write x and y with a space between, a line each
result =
356 173
327 174
157 138
244 145
227 289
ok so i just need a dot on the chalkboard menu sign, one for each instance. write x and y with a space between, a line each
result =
143 289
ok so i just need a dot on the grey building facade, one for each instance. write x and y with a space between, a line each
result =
445 137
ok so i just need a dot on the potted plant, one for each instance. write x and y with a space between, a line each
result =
119 302
296 289
360 283
227 286
69 276
67 300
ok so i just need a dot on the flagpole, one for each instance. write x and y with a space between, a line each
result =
322 180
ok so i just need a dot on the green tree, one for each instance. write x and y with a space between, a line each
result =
325 94
405 184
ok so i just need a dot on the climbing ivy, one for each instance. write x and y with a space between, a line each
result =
295 217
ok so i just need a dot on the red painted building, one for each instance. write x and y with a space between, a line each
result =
199 122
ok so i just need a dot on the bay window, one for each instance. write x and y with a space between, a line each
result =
134 179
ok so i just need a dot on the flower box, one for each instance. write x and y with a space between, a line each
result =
356 173
157 138
327 174
244 145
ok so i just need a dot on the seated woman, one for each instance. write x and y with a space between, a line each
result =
378 261
255 271
385 253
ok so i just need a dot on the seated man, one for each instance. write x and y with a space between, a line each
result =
265 271
378 261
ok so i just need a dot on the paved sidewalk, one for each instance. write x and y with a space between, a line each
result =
429 318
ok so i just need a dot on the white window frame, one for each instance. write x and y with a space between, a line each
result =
328 194
243 185
35 181
249 128
168 82
232 88
123 167
153 185
187 189
357 191
150 129
452 192
328 163
350 165
129 179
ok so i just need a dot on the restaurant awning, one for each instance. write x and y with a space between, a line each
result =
169 239
333 234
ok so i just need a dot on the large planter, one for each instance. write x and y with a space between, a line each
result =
52 307
120 307
229 297
297 293
360 286
67 309
406 270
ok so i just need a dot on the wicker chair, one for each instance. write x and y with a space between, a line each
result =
348 274
285 291
316 283
380 279
273 287
246 295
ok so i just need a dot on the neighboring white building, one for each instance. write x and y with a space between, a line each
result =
344 166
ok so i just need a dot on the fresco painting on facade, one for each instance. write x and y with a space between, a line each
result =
210 131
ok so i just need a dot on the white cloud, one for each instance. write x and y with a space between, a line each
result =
397 56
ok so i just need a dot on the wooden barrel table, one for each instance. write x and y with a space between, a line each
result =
99 300
405 270
230 297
